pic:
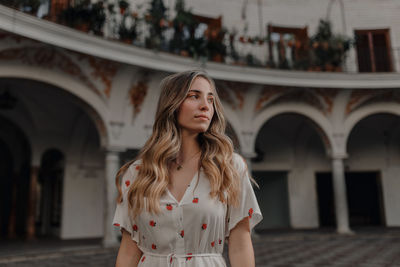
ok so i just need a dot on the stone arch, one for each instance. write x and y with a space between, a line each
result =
233 121
321 123
363 112
84 97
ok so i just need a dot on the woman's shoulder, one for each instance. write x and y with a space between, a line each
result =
132 171
239 162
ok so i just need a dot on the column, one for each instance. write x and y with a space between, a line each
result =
339 190
30 226
110 190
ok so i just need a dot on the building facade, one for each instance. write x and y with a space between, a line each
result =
324 147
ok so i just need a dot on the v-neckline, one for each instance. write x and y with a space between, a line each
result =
184 194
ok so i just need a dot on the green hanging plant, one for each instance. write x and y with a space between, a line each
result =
328 50
157 20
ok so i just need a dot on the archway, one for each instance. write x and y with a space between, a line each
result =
59 125
372 170
290 151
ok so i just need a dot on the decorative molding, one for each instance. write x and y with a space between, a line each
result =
49 58
327 95
116 128
36 54
320 98
268 94
138 92
103 69
361 97
233 93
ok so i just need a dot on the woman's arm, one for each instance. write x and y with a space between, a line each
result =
241 253
129 253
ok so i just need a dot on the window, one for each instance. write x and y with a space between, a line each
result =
373 50
288 47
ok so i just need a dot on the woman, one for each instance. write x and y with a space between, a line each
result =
188 191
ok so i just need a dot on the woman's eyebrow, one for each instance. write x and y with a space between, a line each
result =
199 92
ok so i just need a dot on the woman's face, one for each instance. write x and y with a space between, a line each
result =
196 111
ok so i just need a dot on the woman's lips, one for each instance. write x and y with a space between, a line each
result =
202 117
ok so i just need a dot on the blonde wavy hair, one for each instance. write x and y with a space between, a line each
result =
163 146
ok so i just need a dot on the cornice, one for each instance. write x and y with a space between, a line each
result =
51 33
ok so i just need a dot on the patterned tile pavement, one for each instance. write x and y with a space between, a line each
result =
366 248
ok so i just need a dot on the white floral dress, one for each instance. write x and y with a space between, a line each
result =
191 232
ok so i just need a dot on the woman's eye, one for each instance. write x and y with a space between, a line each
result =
193 96
211 100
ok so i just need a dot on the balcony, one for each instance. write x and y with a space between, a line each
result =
206 39
256 60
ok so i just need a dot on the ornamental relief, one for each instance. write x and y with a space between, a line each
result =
137 93
95 73
362 97
320 98
233 93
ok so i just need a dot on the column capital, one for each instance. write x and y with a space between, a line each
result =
114 149
339 156
249 155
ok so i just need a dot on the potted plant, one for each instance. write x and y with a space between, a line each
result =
128 32
123 5
77 16
184 26
215 45
328 50
97 18
156 18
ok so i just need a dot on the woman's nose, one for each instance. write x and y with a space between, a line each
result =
204 105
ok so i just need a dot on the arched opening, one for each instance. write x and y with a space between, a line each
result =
15 155
65 169
372 171
290 151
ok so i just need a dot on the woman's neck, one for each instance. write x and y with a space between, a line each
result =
189 147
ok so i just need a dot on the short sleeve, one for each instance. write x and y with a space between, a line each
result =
122 218
248 205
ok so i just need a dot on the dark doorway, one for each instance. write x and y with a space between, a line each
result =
326 204
6 188
14 180
364 198
49 191
273 199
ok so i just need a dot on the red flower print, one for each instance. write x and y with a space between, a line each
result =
152 223
143 258
213 243
182 233
250 212
189 258
204 226
134 227
137 167
153 246
195 200
127 183
169 207
116 224
220 241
